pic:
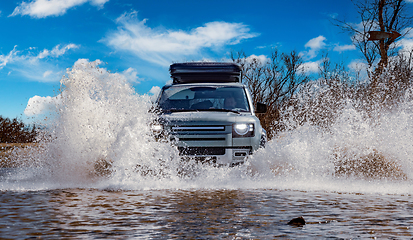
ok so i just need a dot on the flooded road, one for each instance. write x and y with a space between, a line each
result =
202 214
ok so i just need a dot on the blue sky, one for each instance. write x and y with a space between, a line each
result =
42 38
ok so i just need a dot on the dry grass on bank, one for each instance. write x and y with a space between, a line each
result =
375 165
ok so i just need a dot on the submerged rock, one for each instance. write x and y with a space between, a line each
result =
299 222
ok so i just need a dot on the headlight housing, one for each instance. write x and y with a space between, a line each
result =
157 128
158 131
243 130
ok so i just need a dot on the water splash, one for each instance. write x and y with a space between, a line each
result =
351 150
100 137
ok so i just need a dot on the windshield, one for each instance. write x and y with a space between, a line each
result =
208 98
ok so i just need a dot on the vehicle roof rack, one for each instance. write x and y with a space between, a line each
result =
205 72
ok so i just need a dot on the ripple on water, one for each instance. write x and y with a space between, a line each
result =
201 213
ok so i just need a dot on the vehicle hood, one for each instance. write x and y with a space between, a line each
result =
206 117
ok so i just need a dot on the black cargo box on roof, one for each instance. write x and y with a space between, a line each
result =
209 72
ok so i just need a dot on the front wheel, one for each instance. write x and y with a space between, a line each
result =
263 140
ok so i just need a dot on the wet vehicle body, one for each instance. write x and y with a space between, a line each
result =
209 114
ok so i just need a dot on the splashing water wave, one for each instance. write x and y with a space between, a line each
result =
100 137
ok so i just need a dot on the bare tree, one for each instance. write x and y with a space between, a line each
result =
14 131
272 81
387 16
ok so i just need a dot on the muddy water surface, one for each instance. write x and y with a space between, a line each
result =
202 214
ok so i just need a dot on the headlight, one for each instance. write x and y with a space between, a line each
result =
158 131
157 128
243 130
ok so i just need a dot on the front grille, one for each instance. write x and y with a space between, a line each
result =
197 128
201 150
201 139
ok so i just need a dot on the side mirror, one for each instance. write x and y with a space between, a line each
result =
261 108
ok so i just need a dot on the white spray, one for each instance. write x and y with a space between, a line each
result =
101 137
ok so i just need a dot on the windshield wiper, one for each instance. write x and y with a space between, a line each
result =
197 110
178 110
217 110
222 110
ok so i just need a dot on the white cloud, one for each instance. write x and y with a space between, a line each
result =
261 59
155 90
359 69
5 59
98 3
342 48
33 66
310 67
162 46
47 73
407 32
41 105
131 75
314 45
406 43
357 65
154 93
56 51
46 8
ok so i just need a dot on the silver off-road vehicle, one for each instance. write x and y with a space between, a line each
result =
208 113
